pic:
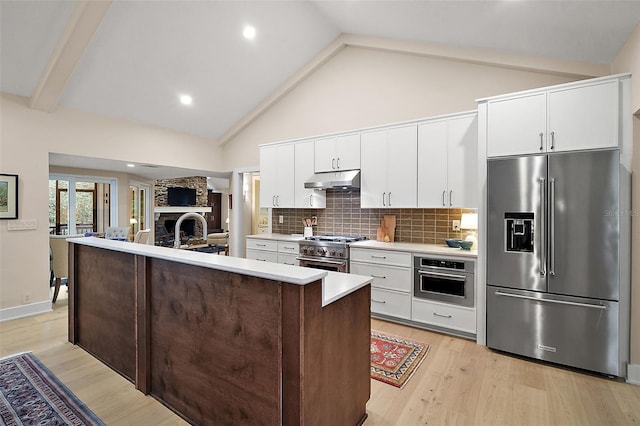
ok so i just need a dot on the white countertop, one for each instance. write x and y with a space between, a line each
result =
277 237
416 248
334 286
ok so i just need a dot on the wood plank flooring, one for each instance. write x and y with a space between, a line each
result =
459 383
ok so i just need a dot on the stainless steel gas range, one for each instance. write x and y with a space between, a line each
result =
328 252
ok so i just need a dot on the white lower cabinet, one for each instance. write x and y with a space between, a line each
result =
274 251
391 286
262 255
444 315
392 303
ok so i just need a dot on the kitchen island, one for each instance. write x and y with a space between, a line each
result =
223 340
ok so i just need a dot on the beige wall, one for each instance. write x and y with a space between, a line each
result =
628 60
26 138
361 87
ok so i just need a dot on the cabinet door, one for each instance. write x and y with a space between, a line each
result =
462 155
286 177
325 155
304 169
432 164
517 126
402 167
584 117
268 175
348 152
373 169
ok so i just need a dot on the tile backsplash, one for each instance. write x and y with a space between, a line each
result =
343 216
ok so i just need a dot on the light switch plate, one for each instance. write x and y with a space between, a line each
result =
455 225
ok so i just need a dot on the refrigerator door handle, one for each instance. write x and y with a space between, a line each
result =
561 302
543 254
552 226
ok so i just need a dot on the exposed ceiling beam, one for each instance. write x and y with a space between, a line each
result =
82 25
461 54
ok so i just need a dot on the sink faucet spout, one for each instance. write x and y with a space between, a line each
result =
176 240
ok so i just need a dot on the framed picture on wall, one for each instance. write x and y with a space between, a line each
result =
8 196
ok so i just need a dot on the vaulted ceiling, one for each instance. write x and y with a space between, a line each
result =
133 59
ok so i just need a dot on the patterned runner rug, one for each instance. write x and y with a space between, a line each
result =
31 395
393 359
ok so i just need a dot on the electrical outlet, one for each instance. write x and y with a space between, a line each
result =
314 220
455 225
280 219
26 298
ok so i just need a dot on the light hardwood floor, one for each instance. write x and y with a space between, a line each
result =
458 383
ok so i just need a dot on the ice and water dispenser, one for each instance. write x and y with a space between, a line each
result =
519 231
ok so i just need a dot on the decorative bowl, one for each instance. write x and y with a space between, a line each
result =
466 245
452 242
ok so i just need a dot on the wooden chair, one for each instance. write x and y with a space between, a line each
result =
59 261
142 236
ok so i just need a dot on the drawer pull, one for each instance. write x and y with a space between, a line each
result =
378 257
261 260
261 245
440 315
287 263
378 301
289 248
379 276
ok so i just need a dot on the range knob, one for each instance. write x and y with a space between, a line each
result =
321 251
339 253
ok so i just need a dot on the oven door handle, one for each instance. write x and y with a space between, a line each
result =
441 275
309 259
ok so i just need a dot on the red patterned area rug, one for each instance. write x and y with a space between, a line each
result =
31 395
393 359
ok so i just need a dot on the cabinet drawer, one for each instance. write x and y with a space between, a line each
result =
443 315
257 244
288 259
287 247
386 277
390 303
265 256
384 257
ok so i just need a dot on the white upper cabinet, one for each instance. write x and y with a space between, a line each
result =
277 176
304 169
447 162
389 168
555 119
337 153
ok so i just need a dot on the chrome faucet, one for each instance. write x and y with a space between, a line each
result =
176 233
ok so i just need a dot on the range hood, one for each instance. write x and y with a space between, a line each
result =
347 179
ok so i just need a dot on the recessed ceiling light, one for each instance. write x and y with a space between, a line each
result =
249 32
186 99
131 165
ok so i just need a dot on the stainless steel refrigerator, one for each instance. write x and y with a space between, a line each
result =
553 259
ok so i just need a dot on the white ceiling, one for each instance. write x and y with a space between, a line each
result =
145 53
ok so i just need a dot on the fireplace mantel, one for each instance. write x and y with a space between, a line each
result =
177 209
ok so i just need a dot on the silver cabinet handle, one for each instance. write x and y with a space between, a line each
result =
541 213
278 200
261 245
378 301
261 260
311 200
541 141
287 263
553 139
435 314
379 276
443 194
378 257
552 226
450 198
273 201
338 163
288 248
442 275
560 302
333 163
389 199
383 194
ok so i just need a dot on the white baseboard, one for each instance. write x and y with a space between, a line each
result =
633 374
25 310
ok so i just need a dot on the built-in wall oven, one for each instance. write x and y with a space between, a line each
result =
444 280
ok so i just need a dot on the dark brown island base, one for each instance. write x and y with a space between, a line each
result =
223 340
